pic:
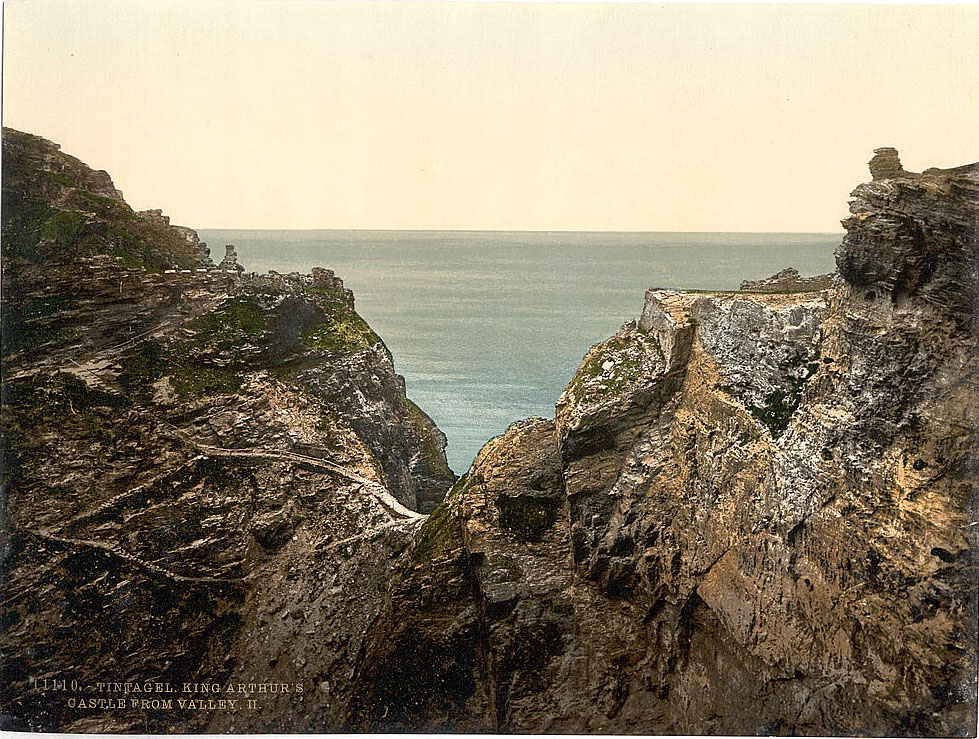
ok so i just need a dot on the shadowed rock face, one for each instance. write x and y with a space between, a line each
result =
751 513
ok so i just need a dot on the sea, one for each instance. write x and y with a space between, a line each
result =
488 327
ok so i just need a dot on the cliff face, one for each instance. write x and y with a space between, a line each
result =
192 459
752 513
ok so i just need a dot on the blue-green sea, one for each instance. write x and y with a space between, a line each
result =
488 326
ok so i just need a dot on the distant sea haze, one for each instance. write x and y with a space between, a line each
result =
489 326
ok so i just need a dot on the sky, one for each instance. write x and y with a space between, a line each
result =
511 116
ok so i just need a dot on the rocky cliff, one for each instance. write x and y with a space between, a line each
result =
752 513
192 460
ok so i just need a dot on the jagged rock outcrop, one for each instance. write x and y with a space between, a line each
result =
57 209
886 164
752 514
230 260
199 472
155 215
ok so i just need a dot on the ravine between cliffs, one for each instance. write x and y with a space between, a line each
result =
753 512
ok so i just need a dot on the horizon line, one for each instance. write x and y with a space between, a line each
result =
515 230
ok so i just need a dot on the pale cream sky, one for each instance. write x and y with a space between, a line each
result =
572 116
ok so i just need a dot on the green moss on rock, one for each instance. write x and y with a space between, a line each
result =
23 220
780 405
776 411
64 227
141 367
235 316
109 204
343 332
59 178
464 484
434 536
128 258
41 399
191 379
194 381
593 381
31 324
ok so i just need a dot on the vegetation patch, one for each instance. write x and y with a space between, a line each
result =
27 325
435 535
191 379
134 251
31 221
143 366
776 411
343 332
526 518
40 399
128 258
238 317
780 405
23 220
59 179
64 227
464 484
233 324
109 204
